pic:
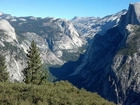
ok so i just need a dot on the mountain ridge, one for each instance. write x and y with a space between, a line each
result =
58 40
110 65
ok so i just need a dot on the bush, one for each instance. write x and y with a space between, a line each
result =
58 93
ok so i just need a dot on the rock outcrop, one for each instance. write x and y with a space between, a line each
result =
11 49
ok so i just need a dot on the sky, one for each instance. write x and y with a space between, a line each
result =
63 8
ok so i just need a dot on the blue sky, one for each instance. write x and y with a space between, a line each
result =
63 8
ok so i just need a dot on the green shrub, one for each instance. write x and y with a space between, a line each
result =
58 93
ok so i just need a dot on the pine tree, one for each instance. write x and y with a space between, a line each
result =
33 72
3 69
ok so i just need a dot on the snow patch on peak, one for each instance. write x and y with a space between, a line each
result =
22 19
33 18
13 20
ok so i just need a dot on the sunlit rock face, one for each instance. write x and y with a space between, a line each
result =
88 27
8 30
12 51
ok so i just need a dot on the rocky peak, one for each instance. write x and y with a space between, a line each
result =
8 30
133 14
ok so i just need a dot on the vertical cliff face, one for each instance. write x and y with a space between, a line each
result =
95 73
126 66
133 15
111 65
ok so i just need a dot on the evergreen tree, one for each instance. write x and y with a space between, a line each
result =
33 72
3 69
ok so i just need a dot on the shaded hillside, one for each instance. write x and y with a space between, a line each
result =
111 65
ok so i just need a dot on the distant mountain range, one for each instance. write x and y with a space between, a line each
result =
109 63
59 40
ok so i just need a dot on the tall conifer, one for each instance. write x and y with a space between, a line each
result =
3 69
33 72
